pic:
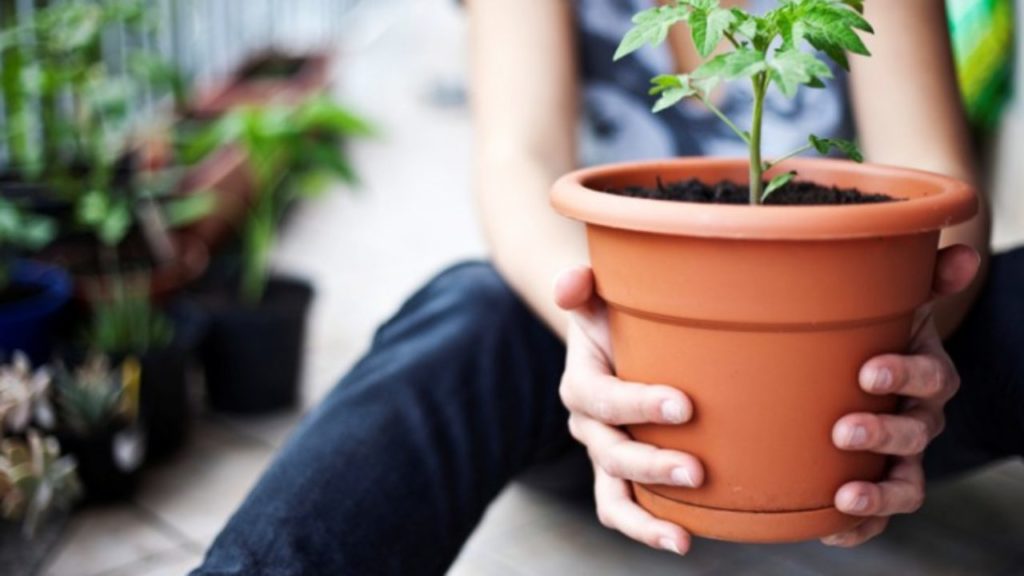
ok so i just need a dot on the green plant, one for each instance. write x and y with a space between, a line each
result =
95 395
293 151
767 50
128 323
20 230
35 479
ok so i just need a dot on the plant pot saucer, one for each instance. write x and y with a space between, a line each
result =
746 527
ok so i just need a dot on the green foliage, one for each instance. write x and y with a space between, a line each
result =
293 151
766 50
20 230
91 397
128 324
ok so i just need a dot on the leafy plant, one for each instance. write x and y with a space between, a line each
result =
35 479
128 323
766 50
94 395
24 396
20 229
293 151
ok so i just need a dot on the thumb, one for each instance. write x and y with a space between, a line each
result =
574 288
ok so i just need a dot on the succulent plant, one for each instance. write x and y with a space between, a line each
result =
94 395
35 479
24 396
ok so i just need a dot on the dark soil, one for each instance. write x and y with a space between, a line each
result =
728 192
273 68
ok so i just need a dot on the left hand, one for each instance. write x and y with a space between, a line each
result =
927 379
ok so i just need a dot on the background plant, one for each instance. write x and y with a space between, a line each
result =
35 479
128 323
293 152
765 50
20 230
95 396
24 396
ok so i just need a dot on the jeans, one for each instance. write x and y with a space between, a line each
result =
458 395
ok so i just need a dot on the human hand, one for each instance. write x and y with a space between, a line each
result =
927 379
598 403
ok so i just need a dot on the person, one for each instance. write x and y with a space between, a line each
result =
474 379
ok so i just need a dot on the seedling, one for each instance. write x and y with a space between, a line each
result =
766 50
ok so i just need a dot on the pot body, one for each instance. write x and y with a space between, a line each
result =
765 327
29 324
253 353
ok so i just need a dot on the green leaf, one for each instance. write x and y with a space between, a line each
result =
826 145
740 63
790 69
776 183
673 88
115 225
708 27
185 210
650 26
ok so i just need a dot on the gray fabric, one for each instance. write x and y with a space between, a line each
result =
617 121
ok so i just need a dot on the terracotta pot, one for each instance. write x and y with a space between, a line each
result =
226 174
311 74
763 316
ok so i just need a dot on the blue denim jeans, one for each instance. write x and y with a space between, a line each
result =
458 395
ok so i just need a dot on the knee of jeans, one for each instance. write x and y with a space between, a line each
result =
470 296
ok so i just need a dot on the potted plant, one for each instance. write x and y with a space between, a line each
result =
129 327
32 294
35 479
272 77
97 409
253 350
763 315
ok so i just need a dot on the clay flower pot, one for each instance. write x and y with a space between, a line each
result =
763 316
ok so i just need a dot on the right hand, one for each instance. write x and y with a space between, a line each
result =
599 403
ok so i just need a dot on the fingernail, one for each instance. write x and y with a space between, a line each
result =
857 503
672 411
878 379
855 436
669 544
682 476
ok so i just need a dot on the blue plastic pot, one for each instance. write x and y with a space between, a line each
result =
29 324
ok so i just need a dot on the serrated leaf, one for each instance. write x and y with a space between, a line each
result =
673 89
825 145
792 68
740 63
776 183
650 26
708 27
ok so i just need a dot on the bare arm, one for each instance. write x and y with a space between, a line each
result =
524 112
909 113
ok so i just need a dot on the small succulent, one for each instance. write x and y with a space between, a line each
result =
95 395
24 396
35 479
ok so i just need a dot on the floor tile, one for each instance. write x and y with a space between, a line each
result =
196 492
176 562
102 539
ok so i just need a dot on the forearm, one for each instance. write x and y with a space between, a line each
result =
529 242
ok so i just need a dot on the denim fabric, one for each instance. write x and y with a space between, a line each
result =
458 395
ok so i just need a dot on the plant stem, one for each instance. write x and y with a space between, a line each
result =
769 165
756 168
743 135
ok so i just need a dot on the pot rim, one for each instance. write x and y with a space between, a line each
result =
948 201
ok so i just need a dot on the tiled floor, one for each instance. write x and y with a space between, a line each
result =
366 251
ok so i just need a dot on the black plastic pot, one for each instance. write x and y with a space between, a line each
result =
165 399
109 461
28 322
253 353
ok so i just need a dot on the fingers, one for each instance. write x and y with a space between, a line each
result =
903 435
901 493
955 268
617 510
866 531
616 454
607 399
929 376
574 287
